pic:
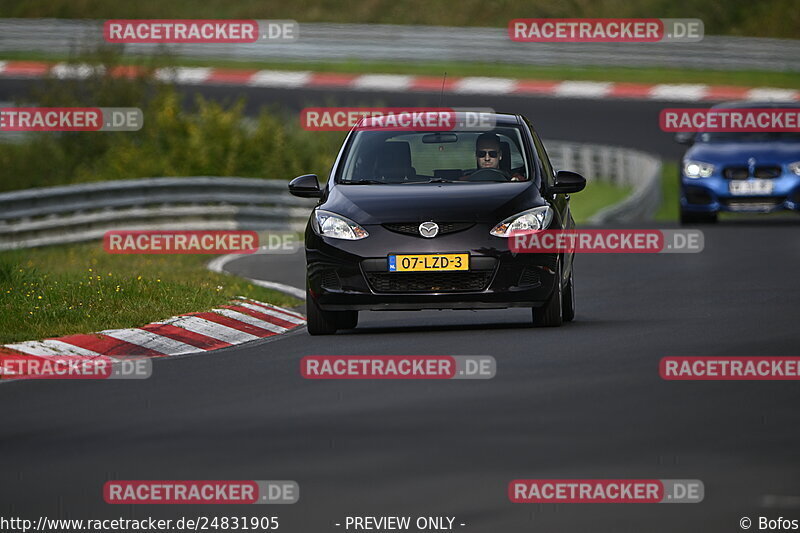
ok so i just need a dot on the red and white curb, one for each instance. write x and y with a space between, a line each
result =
240 321
403 83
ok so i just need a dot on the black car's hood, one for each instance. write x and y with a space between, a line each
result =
454 202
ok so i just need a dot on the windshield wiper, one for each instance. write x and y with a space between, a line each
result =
434 180
363 182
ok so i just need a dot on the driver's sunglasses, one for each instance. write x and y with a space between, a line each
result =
482 153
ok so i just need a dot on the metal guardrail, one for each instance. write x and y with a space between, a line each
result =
618 166
388 42
75 213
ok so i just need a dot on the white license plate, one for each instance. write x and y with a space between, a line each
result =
749 187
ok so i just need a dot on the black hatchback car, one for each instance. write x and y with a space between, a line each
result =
412 220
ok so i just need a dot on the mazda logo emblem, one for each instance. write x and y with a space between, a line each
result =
429 229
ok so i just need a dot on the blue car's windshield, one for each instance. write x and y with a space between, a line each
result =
401 157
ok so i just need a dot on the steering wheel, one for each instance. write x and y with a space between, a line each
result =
488 174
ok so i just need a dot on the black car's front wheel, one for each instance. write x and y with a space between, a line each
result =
346 319
320 322
568 300
551 313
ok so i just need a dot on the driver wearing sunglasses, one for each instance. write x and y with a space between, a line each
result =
488 154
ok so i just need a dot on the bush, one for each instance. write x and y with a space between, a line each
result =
199 138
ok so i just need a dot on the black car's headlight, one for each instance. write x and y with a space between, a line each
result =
336 226
697 169
534 219
795 168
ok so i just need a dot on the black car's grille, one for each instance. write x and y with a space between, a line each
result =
529 278
742 173
429 281
753 203
330 280
412 228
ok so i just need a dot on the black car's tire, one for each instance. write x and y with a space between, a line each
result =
319 322
550 315
688 217
568 303
347 319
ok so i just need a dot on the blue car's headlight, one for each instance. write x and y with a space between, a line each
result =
531 220
336 226
697 169
795 168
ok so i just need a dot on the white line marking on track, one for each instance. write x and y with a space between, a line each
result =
583 89
481 85
277 78
152 341
211 329
387 82
71 71
772 95
218 265
686 92
50 347
183 74
273 312
253 321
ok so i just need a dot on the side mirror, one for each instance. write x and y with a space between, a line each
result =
305 186
568 182
685 137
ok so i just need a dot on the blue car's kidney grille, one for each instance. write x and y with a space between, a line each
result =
412 228
429 281
742 173
736 173
767 172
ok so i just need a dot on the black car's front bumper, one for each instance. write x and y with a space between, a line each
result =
354 275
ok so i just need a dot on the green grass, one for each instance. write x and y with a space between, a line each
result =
743 78
69 289
594 197
669 210
766 18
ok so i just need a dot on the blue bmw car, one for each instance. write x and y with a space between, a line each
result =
756 172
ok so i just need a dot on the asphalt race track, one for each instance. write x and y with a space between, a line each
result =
581 401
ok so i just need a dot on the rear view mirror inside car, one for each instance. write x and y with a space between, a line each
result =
439 138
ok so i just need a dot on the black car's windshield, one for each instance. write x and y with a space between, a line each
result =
746 137
403 157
